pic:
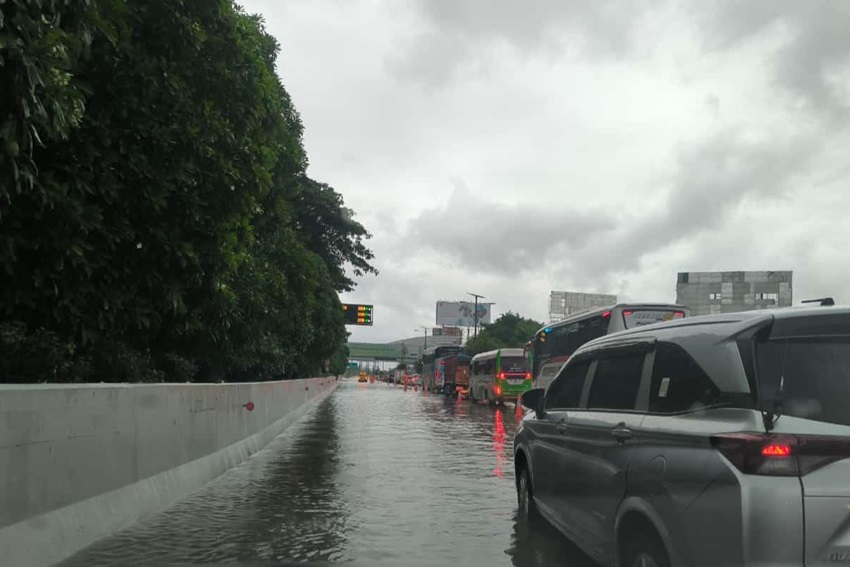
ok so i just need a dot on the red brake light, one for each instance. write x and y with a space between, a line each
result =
679 314
501 376
498 390
528 375
781 455
755 453
627 313
606 314
776 450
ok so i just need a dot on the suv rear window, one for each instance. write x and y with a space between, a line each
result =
678 382
807 377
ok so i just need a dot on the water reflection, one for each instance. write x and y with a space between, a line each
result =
281 505
536 543
499 442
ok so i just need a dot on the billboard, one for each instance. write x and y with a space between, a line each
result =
461 313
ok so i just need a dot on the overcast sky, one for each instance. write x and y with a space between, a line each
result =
510 148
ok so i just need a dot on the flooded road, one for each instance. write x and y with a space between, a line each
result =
372 475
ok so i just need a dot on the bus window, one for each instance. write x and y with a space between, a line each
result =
513 364
593 329
640 317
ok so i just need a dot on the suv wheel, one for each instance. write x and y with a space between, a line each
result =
645 550
524 495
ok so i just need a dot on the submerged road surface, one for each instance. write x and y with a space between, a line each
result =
373 475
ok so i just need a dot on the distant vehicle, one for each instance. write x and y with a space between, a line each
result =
553 344
498 375
363 377
433 371
456 375
653 445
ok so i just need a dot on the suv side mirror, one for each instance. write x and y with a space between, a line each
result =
533 399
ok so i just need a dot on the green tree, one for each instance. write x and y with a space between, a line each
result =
156 221
41 101
339 360
510 330
331 232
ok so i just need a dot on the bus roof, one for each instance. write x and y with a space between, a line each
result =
599 310
492 353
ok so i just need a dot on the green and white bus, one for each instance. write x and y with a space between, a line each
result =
499 375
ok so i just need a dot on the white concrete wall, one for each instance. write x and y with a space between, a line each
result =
80 462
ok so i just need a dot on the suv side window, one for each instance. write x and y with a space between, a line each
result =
616 382
565 391
678 382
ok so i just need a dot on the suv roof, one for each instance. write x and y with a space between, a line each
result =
735 321
707 337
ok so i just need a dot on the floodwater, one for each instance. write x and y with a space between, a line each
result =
373 475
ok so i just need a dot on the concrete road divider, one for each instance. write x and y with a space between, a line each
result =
80 462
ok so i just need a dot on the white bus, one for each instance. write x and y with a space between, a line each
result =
498 375
553 344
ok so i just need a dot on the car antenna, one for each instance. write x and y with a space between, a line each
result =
824 301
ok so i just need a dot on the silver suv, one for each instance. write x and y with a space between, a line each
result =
718 440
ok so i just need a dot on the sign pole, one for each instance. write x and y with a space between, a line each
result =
475 312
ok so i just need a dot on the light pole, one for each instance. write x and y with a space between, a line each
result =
425 347
475 313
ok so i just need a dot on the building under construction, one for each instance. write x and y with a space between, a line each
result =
708 293
563 303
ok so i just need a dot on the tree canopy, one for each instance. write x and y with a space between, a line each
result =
510 330
156 218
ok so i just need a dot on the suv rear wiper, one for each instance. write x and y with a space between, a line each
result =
771 416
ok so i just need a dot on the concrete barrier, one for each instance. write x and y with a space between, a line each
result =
80 462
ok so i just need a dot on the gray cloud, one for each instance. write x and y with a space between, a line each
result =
811 57
458 33
483 235
742 166
813 53
711 181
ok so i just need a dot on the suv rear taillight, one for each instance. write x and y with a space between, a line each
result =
780 455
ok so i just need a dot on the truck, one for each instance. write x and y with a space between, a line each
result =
456 376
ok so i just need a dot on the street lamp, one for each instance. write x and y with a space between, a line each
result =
425 347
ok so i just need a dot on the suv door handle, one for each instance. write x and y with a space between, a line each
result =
561 426
621 432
